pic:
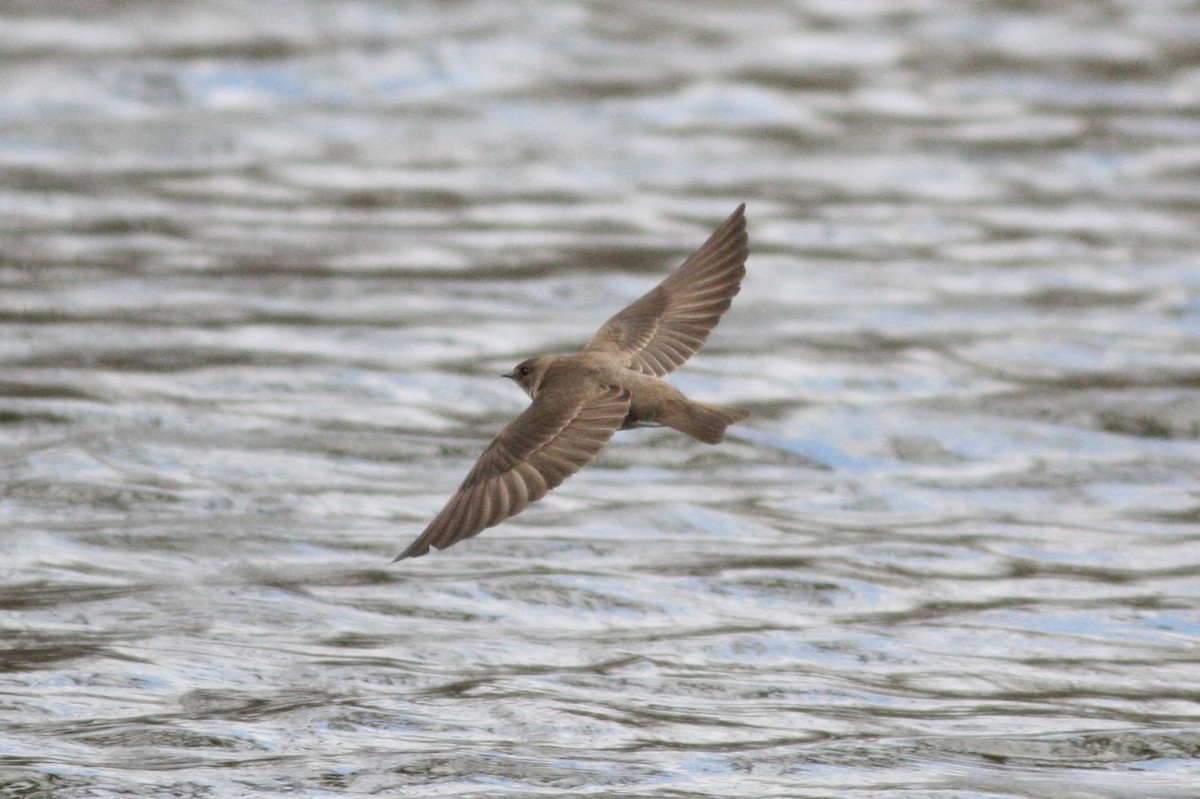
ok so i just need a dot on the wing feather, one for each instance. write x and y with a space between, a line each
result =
659 331
556 436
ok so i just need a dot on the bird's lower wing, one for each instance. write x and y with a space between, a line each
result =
556 436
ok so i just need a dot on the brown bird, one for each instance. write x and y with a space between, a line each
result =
614 383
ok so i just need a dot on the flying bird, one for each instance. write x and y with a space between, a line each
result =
614 383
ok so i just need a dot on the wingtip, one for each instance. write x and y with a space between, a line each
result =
412 552
736 220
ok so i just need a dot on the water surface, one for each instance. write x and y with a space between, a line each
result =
262 263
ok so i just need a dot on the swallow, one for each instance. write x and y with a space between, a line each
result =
614 383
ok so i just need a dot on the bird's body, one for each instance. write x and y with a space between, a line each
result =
614 383
652 400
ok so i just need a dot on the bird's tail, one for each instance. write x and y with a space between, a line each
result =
700 420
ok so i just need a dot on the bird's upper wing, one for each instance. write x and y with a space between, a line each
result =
662 329
556 436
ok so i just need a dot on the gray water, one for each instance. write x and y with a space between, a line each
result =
262 263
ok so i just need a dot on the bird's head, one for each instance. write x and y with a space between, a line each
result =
528 374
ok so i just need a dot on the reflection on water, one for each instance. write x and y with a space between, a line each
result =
261 262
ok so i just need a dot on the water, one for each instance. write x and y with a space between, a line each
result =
262 262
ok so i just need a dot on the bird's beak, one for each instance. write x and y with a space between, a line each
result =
509 375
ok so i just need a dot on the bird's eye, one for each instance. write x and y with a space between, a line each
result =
523 371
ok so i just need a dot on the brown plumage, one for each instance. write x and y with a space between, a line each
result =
614 383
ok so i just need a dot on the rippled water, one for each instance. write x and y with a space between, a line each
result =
262 262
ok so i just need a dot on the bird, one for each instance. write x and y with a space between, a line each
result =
614 383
